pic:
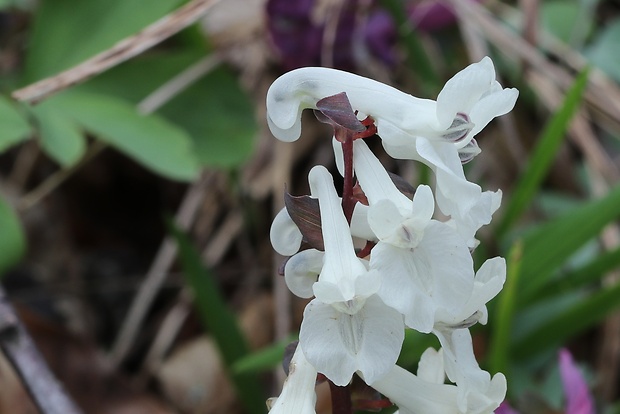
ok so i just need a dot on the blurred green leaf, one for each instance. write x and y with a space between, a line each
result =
263 359
219 320
215 111
605 50
220 118
580 316
14 128
504 312
60 137
12 239
543 155
567 20
66 32
590 273
549 245
151 140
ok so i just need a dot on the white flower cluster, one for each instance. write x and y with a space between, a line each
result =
419 273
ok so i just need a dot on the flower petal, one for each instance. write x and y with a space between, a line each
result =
463 90
298 395
302 271
303 88
578 397
340 260
374 179
338 344
489 107
284 234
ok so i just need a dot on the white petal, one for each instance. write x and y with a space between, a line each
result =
450 264
463 90
302 270
414 395
386 221
338 344
298 395
489 281
374 179
423 205
359 223
340 260
303 88
454 192
489 107
406 284
431 366
284 234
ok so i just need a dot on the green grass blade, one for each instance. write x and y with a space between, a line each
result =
543 155
504 313
219 320
585 275
557 330
263 359
549 245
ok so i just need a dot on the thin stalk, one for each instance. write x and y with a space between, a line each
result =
348 204
341 399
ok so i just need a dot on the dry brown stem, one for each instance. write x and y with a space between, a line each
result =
120 52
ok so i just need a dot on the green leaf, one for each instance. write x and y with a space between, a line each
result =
590 273
220 118
215 111
504 312
557 330
66 32
263 359
12 239
568 21
14 128
549 245
219 320
60 137
543 155
605 50
151 140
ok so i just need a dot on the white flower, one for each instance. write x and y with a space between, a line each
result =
346 328
298 395
302 88
426 265
475 386
488 282
286 237
426 392
439 134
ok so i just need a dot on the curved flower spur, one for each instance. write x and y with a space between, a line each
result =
415 271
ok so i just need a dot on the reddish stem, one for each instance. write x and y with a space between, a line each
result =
341 399
348 203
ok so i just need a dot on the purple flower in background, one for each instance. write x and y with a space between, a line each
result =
298 35
431 15
578 397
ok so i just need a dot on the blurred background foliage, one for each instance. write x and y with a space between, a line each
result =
88 176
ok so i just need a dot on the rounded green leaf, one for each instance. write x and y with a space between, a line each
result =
59 136
150 140
12 240
14 128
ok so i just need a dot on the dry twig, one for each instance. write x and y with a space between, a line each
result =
122 51
19 348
